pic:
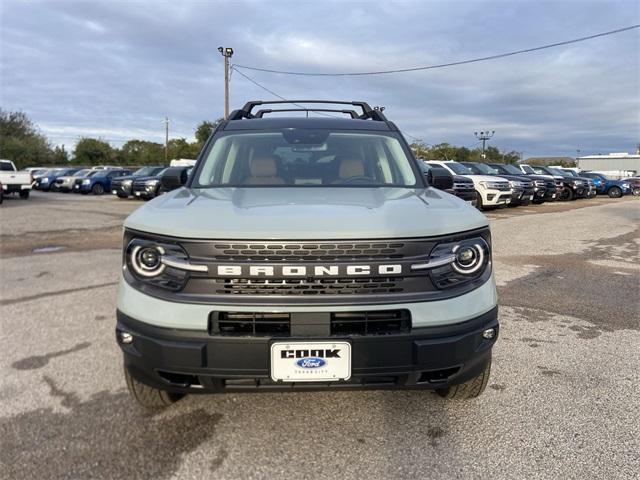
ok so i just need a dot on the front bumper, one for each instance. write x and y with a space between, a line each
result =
496 197
190 361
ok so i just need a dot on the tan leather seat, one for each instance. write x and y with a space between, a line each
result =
263 170
350 167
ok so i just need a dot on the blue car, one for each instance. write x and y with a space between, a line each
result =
98 181
46 181
608 186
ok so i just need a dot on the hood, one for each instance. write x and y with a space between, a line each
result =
306 213
145 178
486 178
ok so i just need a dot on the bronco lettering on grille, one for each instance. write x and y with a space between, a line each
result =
306 271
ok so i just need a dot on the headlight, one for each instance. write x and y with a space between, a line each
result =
162 265
127 182
515 184
625 185
491 185
86 181
151 183
470 258
44 179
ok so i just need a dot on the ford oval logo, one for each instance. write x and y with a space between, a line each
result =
311 362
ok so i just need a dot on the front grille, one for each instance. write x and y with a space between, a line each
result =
292 252
263 324
503 186
320 286
385 322
463 186
256 324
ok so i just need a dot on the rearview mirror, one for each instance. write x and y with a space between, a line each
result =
174 177
440 178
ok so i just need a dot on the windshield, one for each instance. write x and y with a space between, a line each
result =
541 171
81 173
303 157
527 169
482 168
556 171
510 169
146 171
457 168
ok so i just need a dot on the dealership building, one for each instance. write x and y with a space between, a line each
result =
611 162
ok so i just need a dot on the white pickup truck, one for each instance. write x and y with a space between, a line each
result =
14 181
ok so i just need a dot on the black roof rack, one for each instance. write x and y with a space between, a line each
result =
260 113
367 111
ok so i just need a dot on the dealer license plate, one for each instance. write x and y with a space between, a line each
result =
137 194
310 361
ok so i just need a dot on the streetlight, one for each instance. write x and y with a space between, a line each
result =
483 137
227 53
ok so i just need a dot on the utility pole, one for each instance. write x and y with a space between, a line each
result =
166 140
483 137
227 53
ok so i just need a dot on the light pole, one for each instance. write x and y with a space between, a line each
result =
166 140
227 53
483 137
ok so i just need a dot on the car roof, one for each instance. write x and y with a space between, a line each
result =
303 122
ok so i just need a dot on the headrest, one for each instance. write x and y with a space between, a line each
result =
351 167
263 166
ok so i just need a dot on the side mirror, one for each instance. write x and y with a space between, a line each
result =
173 178
440 178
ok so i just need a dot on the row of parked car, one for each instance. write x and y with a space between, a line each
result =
491 185
143 183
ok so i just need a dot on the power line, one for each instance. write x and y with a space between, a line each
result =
277 95
300 106
442 65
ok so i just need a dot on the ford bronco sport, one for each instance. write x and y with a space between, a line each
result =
305 253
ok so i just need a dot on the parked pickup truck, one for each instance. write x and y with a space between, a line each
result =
14 181
305 253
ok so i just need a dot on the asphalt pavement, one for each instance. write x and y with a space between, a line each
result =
562 402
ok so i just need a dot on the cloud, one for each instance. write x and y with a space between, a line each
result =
115 69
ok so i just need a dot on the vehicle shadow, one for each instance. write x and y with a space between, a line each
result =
103 437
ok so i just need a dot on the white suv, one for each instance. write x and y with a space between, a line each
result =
492 191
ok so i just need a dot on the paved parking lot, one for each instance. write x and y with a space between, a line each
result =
562 401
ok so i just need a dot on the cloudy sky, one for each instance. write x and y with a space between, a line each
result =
114 69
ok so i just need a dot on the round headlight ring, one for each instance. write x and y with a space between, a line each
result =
146 260
469 258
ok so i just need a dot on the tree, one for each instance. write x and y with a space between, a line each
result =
141 152
180 148
60 156
92 151
204 129
21 141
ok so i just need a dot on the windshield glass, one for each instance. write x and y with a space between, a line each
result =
527 169
484 168
304 157
81 173
571 173
555 171
458 168
541 171
510 169
146 171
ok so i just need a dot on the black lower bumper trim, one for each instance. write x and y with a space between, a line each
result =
194 361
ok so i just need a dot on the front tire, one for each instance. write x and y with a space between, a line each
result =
615 192
479 204
566 194
636 192
149 397
24 194
470 389
97 189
